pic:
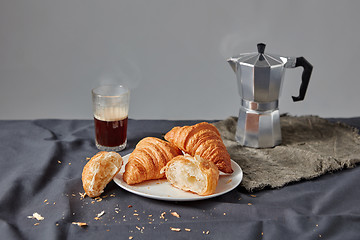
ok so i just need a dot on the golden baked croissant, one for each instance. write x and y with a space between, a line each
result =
99 171
193 174
149 157
202 139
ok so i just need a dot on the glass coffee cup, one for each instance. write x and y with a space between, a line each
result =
110 108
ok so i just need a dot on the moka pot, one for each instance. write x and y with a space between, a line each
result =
259 76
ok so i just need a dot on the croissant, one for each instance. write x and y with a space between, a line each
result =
193 174
149 157
202 139
99 171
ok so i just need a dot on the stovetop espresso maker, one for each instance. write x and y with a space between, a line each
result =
259 76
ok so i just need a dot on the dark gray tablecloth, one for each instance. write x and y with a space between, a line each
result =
41 163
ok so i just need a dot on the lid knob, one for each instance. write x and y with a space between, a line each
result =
261 47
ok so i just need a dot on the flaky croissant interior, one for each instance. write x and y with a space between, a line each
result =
187 176
192 174
99 171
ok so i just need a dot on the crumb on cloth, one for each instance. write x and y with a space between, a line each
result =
175 214
36 216
80 224
175 229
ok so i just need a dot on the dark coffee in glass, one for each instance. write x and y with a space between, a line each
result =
111 106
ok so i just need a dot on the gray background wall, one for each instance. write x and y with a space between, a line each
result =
172 54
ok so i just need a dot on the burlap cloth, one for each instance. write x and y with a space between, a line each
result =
311 146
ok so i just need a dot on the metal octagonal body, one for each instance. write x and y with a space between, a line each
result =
258 129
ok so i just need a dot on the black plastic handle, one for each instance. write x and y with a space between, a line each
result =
305 78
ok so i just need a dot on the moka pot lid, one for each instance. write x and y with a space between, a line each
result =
260 59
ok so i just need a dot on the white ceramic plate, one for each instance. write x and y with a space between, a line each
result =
162 189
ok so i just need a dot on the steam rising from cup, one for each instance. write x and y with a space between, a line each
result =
122 71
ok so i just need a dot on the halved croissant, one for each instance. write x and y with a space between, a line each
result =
202 139
99 171
149 157
193 174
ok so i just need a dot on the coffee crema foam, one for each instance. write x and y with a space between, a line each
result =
111 113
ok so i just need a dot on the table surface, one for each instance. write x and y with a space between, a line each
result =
41 162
